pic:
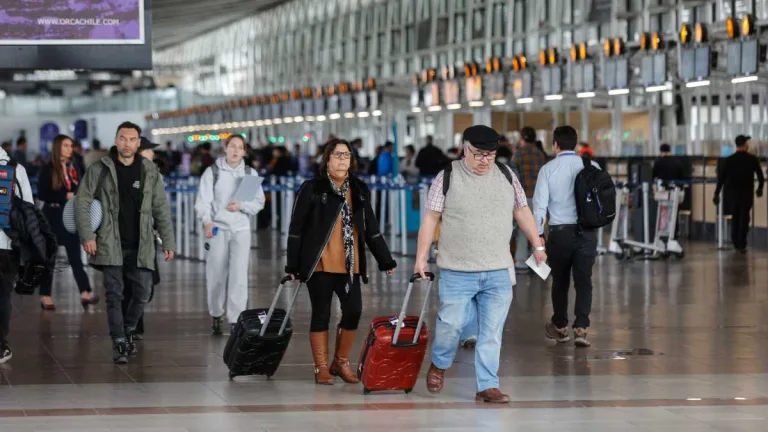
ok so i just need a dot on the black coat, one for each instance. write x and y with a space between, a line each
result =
315 212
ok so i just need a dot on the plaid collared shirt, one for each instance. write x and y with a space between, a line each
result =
436 199
529 160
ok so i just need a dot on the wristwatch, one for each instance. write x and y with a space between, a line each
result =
539 249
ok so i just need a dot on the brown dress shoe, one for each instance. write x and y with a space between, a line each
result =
340 366
435 379
492 395
319 343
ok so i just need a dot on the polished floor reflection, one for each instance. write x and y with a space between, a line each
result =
676 344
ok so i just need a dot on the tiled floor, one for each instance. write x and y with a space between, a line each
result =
678 345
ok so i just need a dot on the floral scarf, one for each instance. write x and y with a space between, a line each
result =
347 228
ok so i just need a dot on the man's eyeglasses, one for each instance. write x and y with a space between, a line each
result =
341 155
480 156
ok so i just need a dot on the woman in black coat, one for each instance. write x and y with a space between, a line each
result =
56 185
332 222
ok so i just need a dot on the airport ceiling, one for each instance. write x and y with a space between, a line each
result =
176 21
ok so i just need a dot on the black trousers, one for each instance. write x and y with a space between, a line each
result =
741 210
571 250
9 267
71 243
321 288
128 296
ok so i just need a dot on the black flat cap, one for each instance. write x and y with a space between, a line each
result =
147 144
665 148
482 137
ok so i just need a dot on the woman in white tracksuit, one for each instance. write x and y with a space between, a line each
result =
228 232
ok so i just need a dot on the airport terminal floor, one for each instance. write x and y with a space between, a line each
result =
677 346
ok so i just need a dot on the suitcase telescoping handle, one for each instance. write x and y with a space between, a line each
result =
283 281
414 278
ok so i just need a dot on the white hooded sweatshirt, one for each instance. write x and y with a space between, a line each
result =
212 200
26 193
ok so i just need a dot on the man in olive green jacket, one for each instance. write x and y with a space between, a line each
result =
133 199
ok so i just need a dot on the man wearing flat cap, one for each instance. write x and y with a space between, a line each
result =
475 199
736 178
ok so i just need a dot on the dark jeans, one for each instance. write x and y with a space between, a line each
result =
321 288
571 250
9 267
140 280
71 243
740 218
128 297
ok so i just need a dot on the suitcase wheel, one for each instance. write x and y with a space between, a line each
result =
366 391
232 376
408 390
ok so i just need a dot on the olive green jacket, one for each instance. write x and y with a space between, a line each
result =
155 210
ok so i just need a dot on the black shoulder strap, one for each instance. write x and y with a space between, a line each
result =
506 171
215 172
587 161
447 178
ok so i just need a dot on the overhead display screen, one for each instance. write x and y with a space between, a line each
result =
495 86
589 77
749 57
451 92
361 101
556 75
473 89
659 68
622 73
702 62
577 77
333 104
308 107
346 102
609 74
646 71
319 106
415 97
734 58
546 80
431 94
686 64
255 113
71 22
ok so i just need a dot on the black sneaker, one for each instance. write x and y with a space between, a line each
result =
560 335
216 327
5 354
130 344
119 352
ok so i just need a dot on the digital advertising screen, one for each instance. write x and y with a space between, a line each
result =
374 99
361 101
308 107
319 106
333 104
75 34
556 77
415 97
495 86
277 111
527 84
622 73
546 81
432 94
255 112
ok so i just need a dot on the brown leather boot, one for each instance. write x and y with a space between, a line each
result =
319 343
340 366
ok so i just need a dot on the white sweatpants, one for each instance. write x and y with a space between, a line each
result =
226 273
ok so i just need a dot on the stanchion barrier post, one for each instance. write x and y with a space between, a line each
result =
403 223
392 210
374 200
646 224
423 192
179 240
200 240
290 197
720 224
185 199
273 202
192 184
383 207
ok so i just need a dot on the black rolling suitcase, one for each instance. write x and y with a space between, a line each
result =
257 349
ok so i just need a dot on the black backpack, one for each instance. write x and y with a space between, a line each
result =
595 196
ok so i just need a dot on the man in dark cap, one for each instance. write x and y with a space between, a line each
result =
736 178
528 160
666 168
475 199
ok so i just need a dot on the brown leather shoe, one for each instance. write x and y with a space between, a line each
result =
340 366
435 379
319 343
492 395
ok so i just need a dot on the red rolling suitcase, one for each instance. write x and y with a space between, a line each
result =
392 354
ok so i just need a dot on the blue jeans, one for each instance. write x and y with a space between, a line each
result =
492 293
471 328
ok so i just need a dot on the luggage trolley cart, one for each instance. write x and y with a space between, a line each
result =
664 243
